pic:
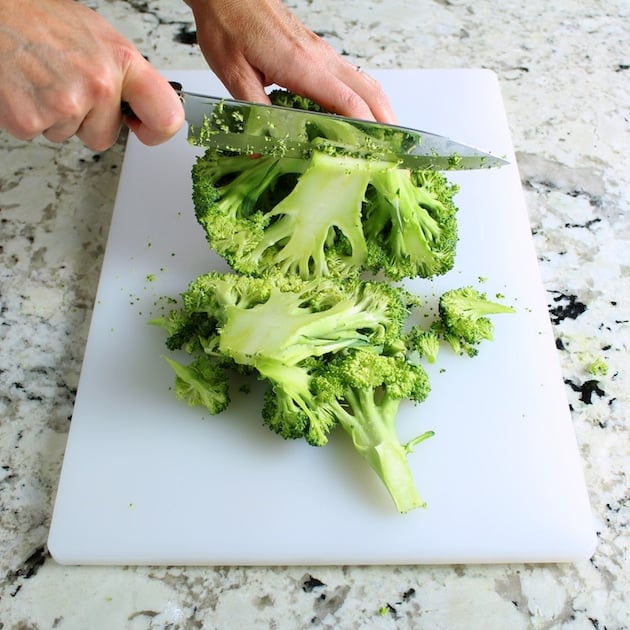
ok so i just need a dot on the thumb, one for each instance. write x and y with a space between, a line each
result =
158 112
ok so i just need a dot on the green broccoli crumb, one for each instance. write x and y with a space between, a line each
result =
387 609
598 367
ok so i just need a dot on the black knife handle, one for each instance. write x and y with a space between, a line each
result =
125 108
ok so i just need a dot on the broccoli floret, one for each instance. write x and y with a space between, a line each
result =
340 208
332 214
425 342
290 408
463 319
202 383
410 220
364 392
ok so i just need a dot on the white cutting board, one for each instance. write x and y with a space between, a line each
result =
148 480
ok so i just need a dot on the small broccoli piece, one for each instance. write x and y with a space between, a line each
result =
364 392
598 367
463 319
203 383
425 342
290 408
284 98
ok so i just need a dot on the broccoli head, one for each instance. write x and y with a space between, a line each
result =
331 351
341 207
282 328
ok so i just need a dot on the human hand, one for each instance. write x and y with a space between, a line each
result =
251 44
64 71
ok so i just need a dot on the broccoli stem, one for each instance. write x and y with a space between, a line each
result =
327 196
371 425
413 229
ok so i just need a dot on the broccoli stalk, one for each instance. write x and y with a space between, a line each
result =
326 201
364 393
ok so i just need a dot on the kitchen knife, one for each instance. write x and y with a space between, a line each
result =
252 128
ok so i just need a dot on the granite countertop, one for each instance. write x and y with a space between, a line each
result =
563 69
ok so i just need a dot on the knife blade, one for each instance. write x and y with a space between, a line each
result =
252 128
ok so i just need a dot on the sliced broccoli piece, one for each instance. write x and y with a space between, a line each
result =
285 98
410 220
463 319
340 208
328 215
425 342
202 383
364 392
317 316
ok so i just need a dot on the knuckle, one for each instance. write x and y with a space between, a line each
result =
68 106
104 88
26 126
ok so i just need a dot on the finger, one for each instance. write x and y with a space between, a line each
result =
241 80
251 89
317 82
158 110
370 90
61 131
100 127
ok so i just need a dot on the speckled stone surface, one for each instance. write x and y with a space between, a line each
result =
564 71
